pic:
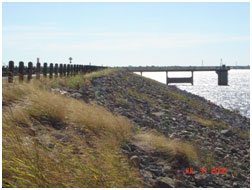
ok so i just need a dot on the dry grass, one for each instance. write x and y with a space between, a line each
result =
153 141
34 154
78 81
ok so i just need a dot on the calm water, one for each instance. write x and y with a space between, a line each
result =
236 96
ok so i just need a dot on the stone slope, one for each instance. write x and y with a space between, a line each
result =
221 136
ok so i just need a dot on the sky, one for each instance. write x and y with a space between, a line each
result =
123 34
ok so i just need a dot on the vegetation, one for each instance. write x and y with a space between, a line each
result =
55 141
221 125
153 141
78 81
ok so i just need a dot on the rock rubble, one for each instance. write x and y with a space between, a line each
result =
220 135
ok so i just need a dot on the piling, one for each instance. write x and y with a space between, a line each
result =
64 70
68 70
11 71
56 70
45 70
61 70
29 71
51 70
21 71
38 71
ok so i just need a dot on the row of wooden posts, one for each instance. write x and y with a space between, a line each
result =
54 69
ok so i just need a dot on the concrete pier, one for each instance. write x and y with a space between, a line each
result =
222 77
222 72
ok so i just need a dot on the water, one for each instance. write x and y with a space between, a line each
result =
236 96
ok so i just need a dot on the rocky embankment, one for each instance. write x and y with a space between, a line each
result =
220 136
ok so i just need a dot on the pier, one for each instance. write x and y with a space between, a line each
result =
221 71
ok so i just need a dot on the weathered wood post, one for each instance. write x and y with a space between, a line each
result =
45 70
71 70
81 67
51 71
21 71
29 71
11 71
56 70
68 70
38 71
61 70
64 70
74 69
84 69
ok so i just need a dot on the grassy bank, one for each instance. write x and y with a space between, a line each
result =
55 141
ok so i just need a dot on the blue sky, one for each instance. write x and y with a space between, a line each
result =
121 34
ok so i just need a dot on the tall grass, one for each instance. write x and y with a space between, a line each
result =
175 149
36 155
78 81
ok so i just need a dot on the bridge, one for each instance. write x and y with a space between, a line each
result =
222 72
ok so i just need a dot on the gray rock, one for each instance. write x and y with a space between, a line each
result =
146 174
135 161
211 134
226 132
76 95
202 179
159 114
234 150
242 177
165 182
167 169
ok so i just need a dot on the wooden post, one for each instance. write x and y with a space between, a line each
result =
61 70
56 70
84 69
71 70
11 71
29 71
51 71
21 71
68 70
45 70
74 69
64 70
81 68
38 71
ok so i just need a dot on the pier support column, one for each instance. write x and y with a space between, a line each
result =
166 77
222 77
141 73
192 77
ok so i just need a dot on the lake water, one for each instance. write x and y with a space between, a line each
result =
235 96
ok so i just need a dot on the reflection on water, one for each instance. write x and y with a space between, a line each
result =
235 96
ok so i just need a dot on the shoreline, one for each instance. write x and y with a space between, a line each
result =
176 114
172 130
199 88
